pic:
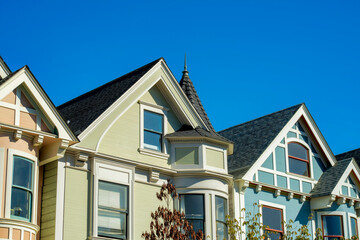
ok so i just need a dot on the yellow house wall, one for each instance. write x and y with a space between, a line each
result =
76 204
91 140
123 138
144 206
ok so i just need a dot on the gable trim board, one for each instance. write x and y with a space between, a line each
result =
4 69
247 172
161 65
24 76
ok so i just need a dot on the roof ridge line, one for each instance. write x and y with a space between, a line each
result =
238 125
106 84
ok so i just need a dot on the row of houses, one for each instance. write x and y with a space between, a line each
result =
90 168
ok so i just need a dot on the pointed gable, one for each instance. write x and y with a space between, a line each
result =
80 112
252 138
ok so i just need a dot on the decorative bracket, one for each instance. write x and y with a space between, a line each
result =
303 198
290 196
351 202
277 193
357 205
258 188
17 134
38 140
81 159
154 176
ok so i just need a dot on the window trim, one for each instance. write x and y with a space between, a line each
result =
9 181
118 174
275 206
226 213
338 213
159 110
299 159
342 226
350 216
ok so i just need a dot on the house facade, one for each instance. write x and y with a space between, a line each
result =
91 167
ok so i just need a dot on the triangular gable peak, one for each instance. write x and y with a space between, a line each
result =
296 158
32 109
158 76
339 183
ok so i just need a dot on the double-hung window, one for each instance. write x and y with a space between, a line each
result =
193 207
354 227
298 159
22 189
221 211
272 219
332 227
112 210
153 130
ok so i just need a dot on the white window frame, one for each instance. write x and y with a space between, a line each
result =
347 184
352 215
159 110
339 213
9 180
274 205
118 174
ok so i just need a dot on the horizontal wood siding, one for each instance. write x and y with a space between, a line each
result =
48 204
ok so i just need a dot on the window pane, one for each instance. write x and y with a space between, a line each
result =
272 218
220 208
22 175
332 225
113 195
192 205
152 140
20 203
221 231
197 225
353 227
274 235
296 150
153 121
344 190
112 224
298 167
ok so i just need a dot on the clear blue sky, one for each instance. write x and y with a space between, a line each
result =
246 58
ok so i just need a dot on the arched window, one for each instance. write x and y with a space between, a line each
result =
298 159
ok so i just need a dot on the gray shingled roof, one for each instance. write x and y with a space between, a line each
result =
188 131
189 90
80 112
252 138
330 178
351 154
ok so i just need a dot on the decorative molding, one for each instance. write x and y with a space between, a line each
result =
64 144
154 176
153 153
38 140
341 200
17 134
81 159
243 185
153 105
302 198
351 202
357 205
277 193
258 188
290 196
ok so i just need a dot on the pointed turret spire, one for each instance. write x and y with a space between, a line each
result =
189 90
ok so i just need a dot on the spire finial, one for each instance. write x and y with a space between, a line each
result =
185 72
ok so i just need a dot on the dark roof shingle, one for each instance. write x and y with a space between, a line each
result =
252 138
330 178
350 154
81 111
188 131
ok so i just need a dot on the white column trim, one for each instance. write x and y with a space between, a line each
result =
60 201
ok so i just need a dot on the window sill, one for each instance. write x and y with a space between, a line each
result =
153 153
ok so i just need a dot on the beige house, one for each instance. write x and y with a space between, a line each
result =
90 168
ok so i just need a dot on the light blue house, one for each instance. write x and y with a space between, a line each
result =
282 162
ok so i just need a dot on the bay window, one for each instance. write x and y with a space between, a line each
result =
220 212
112 210
272 218
332 227
193 207
298 159
22 188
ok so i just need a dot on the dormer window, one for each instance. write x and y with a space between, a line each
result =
153 130
298 159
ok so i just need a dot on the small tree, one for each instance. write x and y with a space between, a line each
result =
170 224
